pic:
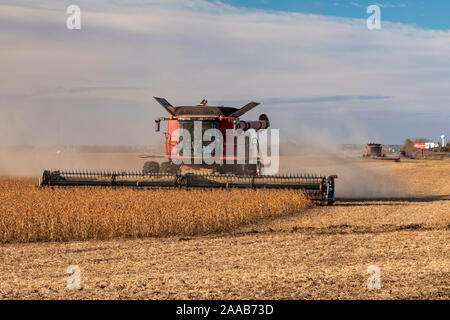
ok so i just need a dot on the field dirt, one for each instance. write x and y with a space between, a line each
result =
396 216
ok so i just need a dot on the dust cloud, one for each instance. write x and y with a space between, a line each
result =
32 161
357 178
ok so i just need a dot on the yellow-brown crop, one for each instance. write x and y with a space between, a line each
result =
29 213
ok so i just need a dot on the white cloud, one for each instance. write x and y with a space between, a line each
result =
190 49
390 5
381 5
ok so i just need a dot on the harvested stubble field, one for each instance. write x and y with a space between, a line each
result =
313 253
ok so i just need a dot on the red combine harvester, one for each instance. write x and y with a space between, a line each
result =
373 150
376 151
225 119
194 164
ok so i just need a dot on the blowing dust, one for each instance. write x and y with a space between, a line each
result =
30 162
357 178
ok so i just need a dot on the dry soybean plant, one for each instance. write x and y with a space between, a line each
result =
29 213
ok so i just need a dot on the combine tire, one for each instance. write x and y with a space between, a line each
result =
150 167
168 167
165 167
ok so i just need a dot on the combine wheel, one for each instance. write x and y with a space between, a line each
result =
168 167
150 167
165 167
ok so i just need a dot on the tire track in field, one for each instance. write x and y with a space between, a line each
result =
344 229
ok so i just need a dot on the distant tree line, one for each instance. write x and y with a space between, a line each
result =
408 147
446 148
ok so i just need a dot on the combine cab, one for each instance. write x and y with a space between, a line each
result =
193 164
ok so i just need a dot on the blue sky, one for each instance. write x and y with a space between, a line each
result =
318 77
432 14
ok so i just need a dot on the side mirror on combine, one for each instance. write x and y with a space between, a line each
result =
157 125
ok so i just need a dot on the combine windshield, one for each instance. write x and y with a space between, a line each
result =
374 149
189 126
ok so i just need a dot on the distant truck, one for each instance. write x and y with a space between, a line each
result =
377 151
